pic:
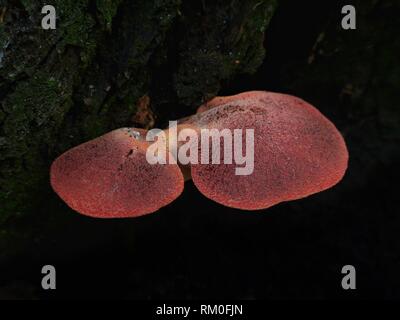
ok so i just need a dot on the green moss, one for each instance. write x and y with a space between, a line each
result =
34 112
225 41
123 66
107 9
3 43
30 5
78 27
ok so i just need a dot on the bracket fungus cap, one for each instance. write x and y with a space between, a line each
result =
297 150
109 177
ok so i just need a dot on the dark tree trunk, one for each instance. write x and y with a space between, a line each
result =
61 87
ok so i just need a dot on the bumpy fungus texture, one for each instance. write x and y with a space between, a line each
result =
109 177
297 151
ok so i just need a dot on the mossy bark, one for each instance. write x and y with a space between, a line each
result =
61 87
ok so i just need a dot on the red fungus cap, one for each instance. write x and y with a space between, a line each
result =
109 177
297 151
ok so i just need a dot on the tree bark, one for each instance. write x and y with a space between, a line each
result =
61 87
